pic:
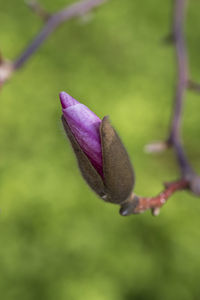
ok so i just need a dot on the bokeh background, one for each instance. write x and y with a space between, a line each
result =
57 239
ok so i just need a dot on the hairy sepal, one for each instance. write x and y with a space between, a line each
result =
117 168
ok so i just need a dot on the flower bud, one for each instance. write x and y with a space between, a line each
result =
102 158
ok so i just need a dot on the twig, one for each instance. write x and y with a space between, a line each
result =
38 9
73 11
138 204
194 86
6 71
156 147
182 83
189 179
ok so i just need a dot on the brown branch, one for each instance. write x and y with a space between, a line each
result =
194 86
189 179
38 9
73 11
137 204
182 82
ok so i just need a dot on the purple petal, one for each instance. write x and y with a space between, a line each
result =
84 125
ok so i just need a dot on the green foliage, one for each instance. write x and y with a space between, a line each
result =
58 241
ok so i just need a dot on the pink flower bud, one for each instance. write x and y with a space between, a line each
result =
101 156
84 125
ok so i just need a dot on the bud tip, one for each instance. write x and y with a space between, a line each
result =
67 100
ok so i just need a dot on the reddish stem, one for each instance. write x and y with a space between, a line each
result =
158 201
138 204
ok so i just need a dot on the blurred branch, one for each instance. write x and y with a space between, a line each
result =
156 147
182 82
189 179
52 22
38 9
194 86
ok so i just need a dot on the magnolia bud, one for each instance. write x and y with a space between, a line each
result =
102 158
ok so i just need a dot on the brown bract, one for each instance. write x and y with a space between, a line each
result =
117 168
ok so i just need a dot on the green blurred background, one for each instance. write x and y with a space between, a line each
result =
57 239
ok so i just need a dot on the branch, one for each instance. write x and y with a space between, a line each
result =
53 21
189 179
137 204
38 9
194 86
182 82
